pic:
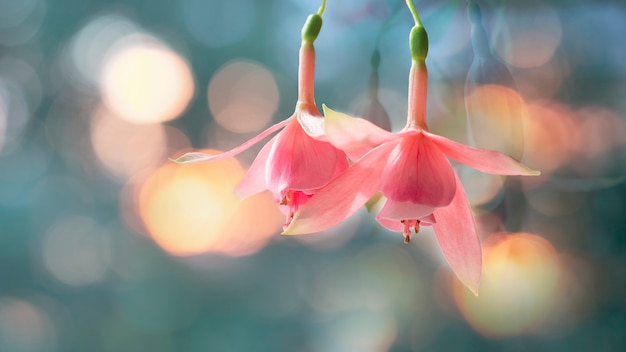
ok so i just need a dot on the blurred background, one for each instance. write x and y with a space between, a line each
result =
107 246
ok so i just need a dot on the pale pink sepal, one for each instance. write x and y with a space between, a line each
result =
458 238
195 157
399 211
355 136
391 225
343 196
488 161
397 226
312 124
254 180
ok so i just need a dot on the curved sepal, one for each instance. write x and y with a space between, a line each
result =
458 238
355 136
488 161
196 157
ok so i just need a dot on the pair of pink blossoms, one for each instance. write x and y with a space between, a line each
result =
306 169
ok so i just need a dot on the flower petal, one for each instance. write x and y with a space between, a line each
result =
391 225
456 232
299 162
343 196
355 136
397 226
342 163
254 180
195 157
418 172
312 123
399 211
488 161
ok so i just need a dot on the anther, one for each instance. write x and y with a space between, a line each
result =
408 224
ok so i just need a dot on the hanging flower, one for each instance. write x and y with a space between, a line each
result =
412 172
298 161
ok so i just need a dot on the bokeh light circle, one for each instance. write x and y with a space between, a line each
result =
76 252
550 136
145 82
88 48
243 96
20 20
24 326
124 148
521 282
534 36
495 118
191 209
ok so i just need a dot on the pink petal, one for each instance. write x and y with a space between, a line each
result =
458 239
397 226
299 162
398 211
342 163
428 220
353 135
391 225
343 196
312 123
254 181
488 161
418 172
195 157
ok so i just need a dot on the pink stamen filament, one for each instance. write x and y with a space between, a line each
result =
408 224
293 200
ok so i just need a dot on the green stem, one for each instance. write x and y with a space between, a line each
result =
322 8
416 16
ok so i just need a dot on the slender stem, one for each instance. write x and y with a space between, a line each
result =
322 8
416 16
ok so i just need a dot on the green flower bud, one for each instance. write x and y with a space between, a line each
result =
418 43
311 28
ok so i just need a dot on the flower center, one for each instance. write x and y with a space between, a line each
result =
408 224
290 203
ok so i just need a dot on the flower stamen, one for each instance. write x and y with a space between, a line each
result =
290 203
408 224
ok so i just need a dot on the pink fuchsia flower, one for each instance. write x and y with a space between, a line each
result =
298 161
412 171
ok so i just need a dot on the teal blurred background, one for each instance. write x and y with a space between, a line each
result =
107 246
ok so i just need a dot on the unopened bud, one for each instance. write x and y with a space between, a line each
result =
418 43
311 28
